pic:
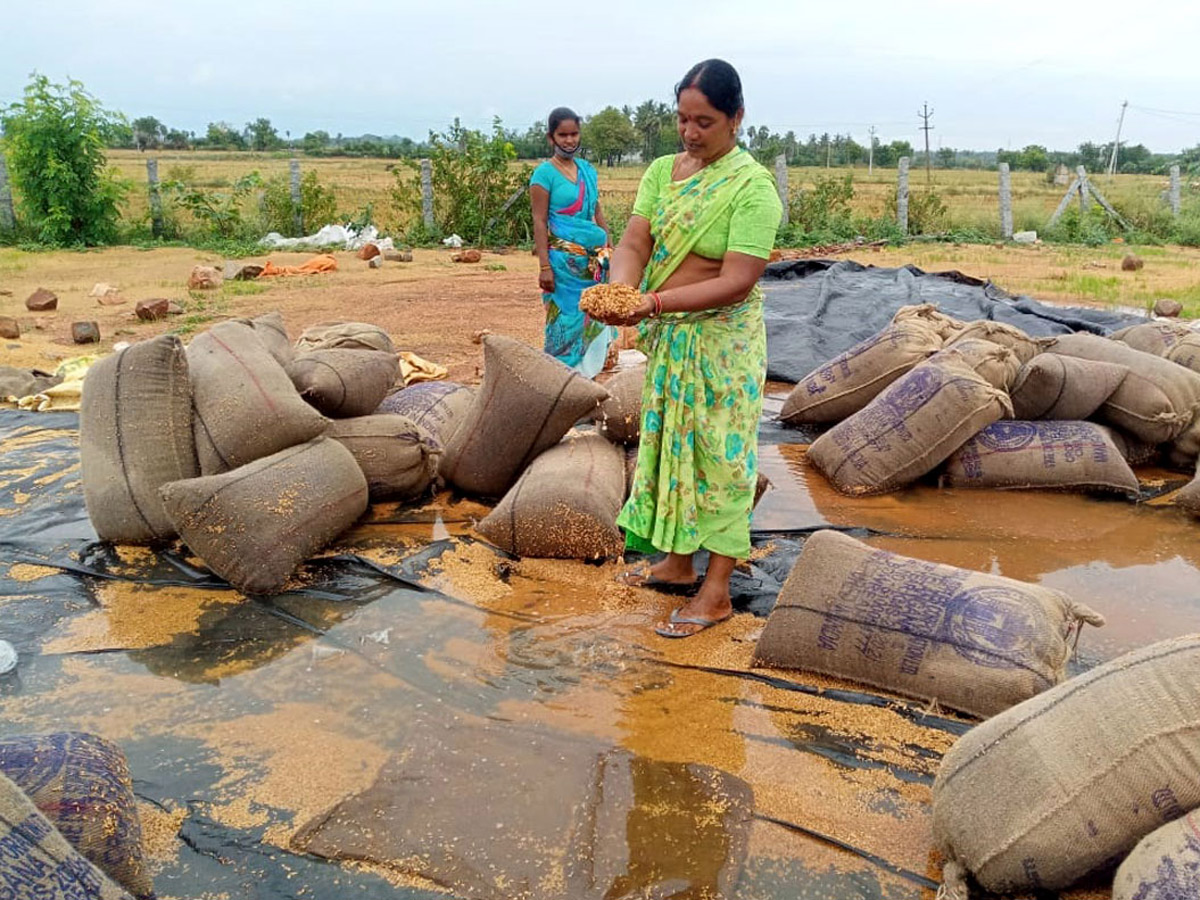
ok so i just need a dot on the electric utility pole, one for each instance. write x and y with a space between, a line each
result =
871 150
926 113
1112 160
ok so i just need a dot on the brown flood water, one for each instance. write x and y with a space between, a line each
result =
245 720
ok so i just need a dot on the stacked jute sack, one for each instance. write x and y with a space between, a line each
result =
985 405
560 487
255 453
69 824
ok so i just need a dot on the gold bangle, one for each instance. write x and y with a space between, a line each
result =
545 268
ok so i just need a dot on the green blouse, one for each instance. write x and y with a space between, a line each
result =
747 226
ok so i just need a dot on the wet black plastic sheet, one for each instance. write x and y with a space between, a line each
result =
818 308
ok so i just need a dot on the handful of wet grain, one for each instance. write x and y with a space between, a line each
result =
607 300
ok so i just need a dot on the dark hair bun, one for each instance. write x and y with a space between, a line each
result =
718 81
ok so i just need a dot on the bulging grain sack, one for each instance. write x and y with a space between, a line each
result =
1165 865
18 383
344 336
135 435
946 327
1000 333
1061 455
850 381
246 406
343 384
1051 386
80 782
1189 497
254 526
527 402
439 407
1153 337
1133 449
565 504
1186 352
619 417
1068 782
1156 400
996 364
271 331
973 642
38 862
397 457
909 429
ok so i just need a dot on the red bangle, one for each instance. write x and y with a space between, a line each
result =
657 303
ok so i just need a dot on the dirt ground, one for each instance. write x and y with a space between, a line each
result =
431 306
434 306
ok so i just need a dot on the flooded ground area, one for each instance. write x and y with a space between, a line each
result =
422 716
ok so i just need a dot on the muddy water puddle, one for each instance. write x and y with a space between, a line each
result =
413 653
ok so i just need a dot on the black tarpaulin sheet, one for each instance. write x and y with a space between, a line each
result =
819 308
527 813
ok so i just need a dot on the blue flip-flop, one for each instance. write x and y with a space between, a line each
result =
676 619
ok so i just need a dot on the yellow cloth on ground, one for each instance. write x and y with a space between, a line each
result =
65 396
414 369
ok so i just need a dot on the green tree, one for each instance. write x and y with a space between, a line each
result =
314 142
610 135
53 140
946 157
223 136
654 123
261 135
148 133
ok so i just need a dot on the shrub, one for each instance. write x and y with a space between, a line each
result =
472 181
317 205
53 140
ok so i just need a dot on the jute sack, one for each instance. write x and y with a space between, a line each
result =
1153 337
397 457
1165 865
973 642
1156 400
1186 352
1068 782
1133 449
246 406
19 383
1008 336
271 331
344 336
37 862
135 435
343 384
619 417
910 428
1189 497
255 525
565 504
439 407
1063 455
996 364
944 326
1051 386
527 402
850 381
81 784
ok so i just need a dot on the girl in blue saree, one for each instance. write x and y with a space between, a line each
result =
571 239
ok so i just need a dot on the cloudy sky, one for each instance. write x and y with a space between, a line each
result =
995 74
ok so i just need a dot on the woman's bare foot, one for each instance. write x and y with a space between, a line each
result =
673 570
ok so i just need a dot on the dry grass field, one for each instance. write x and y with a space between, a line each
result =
970 196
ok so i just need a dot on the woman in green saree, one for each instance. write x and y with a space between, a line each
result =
701 232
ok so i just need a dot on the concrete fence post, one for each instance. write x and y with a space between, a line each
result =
297 202
781 183
902 196
8 219
1085 196
1176 204
427 193
156 214
1006 218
